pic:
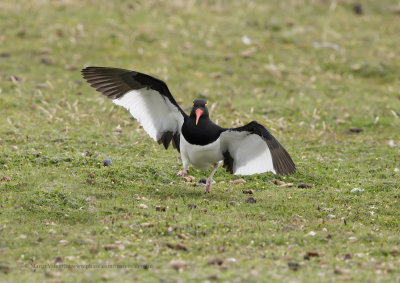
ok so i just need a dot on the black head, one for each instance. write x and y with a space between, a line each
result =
199 110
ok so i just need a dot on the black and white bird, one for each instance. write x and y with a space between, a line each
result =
246 150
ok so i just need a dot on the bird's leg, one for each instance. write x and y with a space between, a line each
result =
183 173
209 179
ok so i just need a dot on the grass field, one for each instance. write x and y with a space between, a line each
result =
322 78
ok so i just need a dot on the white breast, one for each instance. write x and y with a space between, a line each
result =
200 156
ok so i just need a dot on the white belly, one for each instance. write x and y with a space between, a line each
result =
200 156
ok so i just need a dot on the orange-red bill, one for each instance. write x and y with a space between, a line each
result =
198 112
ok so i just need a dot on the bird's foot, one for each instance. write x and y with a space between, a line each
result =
208 185
183 173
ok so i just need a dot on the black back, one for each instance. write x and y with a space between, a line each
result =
205 132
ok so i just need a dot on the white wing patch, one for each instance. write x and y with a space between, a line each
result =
154 112
250 152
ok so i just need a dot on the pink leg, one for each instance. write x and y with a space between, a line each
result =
183 173
209 180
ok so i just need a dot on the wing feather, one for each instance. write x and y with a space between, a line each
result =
148 100
252 149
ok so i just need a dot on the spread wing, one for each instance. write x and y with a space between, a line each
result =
252 149
148 100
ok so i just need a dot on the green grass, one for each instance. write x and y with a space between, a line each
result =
58 204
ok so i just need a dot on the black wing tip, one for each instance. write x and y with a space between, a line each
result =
92 68
283 163
169 137
97 70
287 171
106 80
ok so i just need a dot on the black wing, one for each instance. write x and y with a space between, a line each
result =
147 98
252 149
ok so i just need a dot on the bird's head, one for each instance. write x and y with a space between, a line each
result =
199 110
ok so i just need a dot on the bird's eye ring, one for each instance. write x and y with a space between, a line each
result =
205 105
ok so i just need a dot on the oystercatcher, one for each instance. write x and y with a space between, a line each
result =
245 150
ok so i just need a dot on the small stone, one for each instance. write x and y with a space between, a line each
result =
93 250
228 57
340 270
181 246
356 190
107 162
281 183
178 246
161 208
142 206
314 253
216 261
238 181
391 143
248 52
347 256
63 242
110 247
355 130
312 233
179 265
189 179
331 216
91 181
232 203
249 192
304 185
231 260
246 40
293 265
251 200
46 60
352 239
183 236
278 182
